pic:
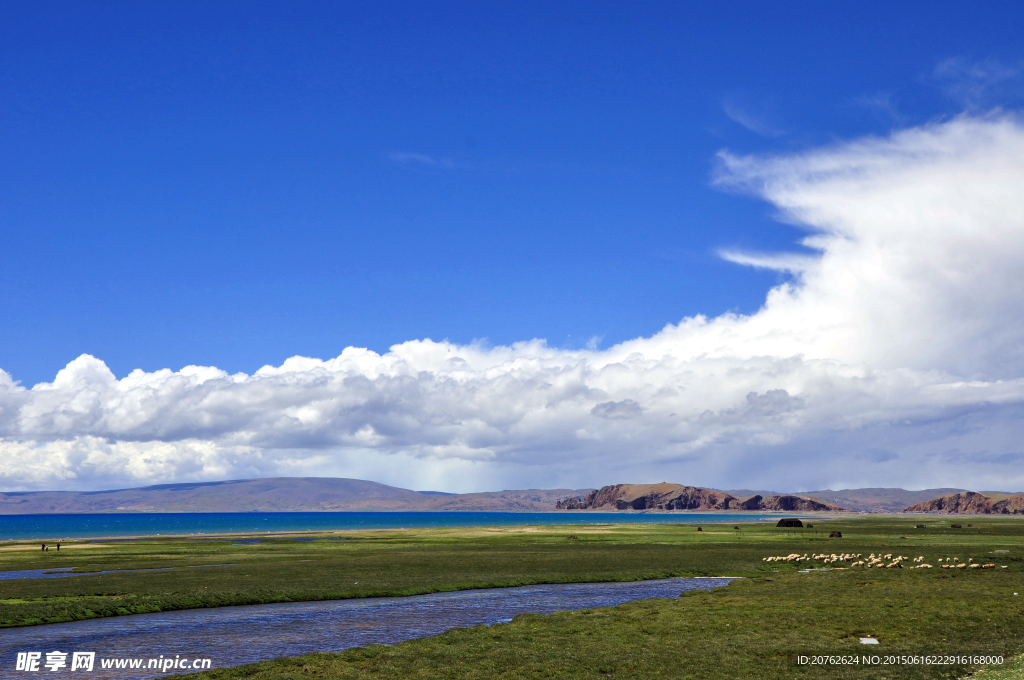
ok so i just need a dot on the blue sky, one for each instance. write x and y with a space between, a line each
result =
232 184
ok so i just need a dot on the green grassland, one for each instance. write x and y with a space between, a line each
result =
364 564
755 628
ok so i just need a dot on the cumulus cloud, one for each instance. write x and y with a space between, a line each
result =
627 408
891 356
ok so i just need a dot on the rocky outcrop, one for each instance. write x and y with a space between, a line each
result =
572 503
790 503
667 496
972 502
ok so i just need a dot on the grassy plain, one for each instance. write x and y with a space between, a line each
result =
355 564
754 628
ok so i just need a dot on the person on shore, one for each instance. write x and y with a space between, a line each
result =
44 547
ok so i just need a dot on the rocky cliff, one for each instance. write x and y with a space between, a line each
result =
667 496
972 502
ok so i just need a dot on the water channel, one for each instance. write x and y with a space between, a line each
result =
232 636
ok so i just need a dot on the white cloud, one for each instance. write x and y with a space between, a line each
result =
753 123
782 262
893 357
882 103
409 158
627 408
978 83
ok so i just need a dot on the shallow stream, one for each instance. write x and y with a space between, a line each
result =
232 636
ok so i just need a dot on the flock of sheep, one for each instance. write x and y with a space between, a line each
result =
879 561
969 564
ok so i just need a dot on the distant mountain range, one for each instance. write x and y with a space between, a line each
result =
278 494
878 500
954 501
322 494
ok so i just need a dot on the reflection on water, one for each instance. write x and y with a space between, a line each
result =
232 636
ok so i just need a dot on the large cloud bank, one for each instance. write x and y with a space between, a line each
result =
892 357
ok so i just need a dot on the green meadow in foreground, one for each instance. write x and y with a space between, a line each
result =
758 627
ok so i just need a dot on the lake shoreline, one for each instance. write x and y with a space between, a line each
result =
123 526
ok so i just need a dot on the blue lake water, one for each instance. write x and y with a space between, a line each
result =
51 527
232 636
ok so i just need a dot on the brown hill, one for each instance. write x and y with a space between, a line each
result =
971 502
280 494
877 499
667 496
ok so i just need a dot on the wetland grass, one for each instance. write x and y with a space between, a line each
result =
754 628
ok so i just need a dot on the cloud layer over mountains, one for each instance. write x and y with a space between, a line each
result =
892 357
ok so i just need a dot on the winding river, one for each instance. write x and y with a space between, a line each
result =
232 636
